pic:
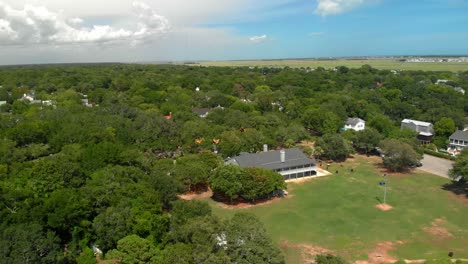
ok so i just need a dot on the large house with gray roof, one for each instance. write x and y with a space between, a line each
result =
458 141
425 129
291 163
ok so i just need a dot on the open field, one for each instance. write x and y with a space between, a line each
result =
338 213
389 64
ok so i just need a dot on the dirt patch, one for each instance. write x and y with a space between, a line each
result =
372 158
384 207
378 165
308 251
195 195
380 253
306 143
438 230
99 260
411 261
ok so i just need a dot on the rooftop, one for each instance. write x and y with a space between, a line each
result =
460 135
416 122
354 121
201 111
272 159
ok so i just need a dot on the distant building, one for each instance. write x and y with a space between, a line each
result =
355 123
201 112
440 81
458 141
459 89
425 129
168 116
27 97
291 163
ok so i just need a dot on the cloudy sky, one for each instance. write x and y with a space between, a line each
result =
55 31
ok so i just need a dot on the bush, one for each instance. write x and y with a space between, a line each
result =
438 154
250 184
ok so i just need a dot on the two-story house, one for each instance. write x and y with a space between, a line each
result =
458 141
425 129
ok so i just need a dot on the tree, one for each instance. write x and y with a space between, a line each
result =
248 242
183 210
260 183
382 123
334 147
250 184
28 243
112 225
329 259
133 249
444 127
66 208
398 156
367 139
323 122
230 144
226 180
460 166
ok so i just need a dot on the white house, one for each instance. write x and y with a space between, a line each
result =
355 123
458 141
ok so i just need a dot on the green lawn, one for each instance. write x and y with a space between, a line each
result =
337 212
389 64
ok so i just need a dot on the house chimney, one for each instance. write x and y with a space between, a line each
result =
282 155
265 148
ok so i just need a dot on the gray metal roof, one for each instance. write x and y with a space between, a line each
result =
460 135
272 160
201 111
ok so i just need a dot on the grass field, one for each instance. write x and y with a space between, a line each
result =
338 212
389 64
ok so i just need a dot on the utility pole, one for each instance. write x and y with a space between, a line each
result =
384 183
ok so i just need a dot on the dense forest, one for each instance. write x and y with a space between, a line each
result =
98 158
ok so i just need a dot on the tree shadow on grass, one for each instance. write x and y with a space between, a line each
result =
458 188
378 199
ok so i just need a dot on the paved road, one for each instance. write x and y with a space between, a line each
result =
435 165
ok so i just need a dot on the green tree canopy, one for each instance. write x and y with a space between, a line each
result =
398 156
334 147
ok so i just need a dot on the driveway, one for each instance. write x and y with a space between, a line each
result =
435 165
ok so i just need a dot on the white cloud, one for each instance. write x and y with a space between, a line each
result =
316 34
258 39
335 7
39 25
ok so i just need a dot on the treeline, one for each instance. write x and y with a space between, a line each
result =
73 176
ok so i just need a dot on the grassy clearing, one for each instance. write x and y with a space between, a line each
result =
388 64
338 212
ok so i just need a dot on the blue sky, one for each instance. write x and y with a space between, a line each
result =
44 31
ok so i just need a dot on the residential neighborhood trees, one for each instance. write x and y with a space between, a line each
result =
101 153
